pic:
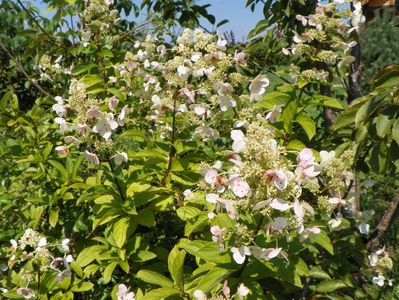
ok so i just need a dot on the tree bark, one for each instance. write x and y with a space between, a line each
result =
385 222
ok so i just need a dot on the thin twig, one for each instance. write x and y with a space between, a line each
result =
36 22
21 68
133 30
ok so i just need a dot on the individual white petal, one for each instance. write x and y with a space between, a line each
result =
279 204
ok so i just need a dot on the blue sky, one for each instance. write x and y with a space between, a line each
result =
242 20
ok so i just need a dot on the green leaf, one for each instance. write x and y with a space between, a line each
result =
208 251
107 274
60 168
9 100
378 157
395 131
318 273
82 287
288 115
143 255
295 145
162 293
188 212
323 240
326 101
175 265
383 124
82 68
145 217
367 109
53 219
87 255
91 80
212 278
307 124
196 224
154 278
330 285
119 231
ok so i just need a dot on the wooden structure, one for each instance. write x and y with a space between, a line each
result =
369 6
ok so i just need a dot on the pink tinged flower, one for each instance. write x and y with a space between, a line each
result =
280 180
60 109
305 156
210 175
239 141
231 210
221 44
26 293
119 158
199 295
14 245
211 215
258 87
299 211
216 231
279 204
239 59
188 194
82 128
196 56
190 94
124 293
69 258
65 244
199 110
91 157
183 72
72 140
93 113
212 198
112 103
62 123
223 88
302 19
226 289
123 114
242 291
105 126
240 253
379 280
326 157
279 223
336 200
311 170
272 115
373 258
226 102
297 39
239 187
270 253
286 51
364 228
62 150
113 79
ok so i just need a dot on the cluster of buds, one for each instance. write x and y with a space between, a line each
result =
326 43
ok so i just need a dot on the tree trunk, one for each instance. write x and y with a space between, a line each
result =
384 223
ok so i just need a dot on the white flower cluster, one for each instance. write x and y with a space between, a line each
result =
261 179
34 247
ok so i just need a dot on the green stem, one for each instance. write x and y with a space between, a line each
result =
172 149
117 182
